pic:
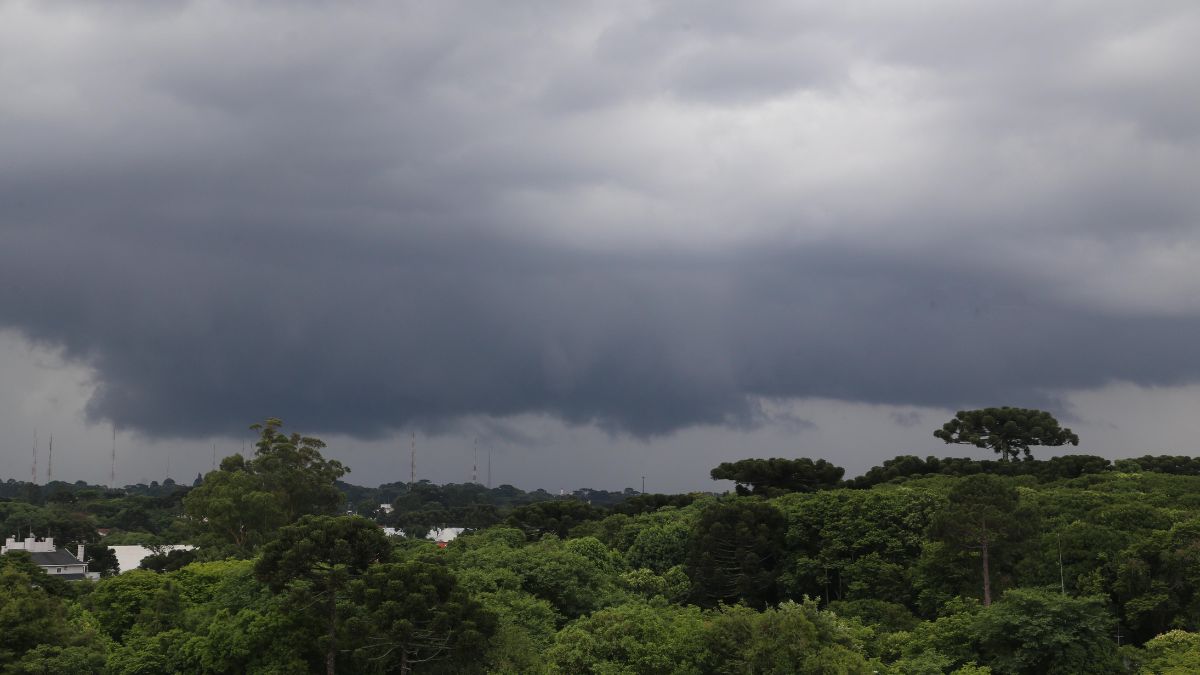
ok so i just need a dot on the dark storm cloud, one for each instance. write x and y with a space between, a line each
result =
645 218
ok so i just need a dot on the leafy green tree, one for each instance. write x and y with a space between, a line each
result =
294 470
568 575
847 544
410 613
983 512
233 512
791 638
737 552
635 638
120 602
1157 580
1175 652
314 561
1033 631
1006 430
768 477
673 584
29 616
239 507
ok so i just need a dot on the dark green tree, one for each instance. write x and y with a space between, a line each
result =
314 560
1005 430
403 614
736 552
983 512
768 477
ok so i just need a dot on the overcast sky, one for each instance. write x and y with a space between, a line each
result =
606 239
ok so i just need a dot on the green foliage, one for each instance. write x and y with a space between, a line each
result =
737 551
660 547
634 639
29 616
1122 542
410 613
1038 631
792 638
847 544
314 560
1175 652
769 477
673 584
239 507
983 514
122 601
556 517
1006 430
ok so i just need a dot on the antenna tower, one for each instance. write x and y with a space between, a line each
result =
112 472
412 467
50 462
34 472
475 463
214 457
489 467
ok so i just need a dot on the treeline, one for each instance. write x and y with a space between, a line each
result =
1055 468
1068 565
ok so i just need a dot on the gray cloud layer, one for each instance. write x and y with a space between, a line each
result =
646 217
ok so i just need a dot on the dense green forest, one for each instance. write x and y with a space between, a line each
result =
1068 565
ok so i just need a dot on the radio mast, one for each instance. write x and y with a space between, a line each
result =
412 466
475 463
50 462
112 472
33 473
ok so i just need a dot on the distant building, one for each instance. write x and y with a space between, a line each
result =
57 562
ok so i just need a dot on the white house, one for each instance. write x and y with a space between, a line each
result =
57 562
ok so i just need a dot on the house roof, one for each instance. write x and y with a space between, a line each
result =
57 558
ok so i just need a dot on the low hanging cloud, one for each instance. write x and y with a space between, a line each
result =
645 217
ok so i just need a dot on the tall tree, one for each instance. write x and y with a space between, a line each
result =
315 559
983 511
1005 430
294 470
240 506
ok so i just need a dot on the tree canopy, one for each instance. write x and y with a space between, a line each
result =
1006 430
768 477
